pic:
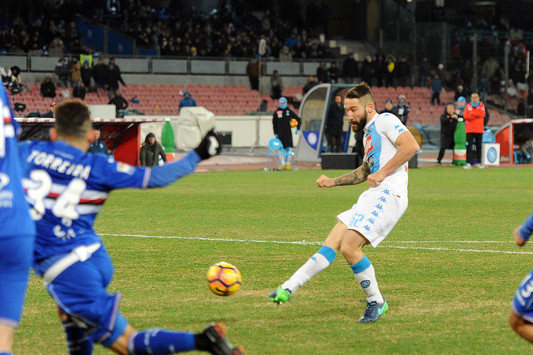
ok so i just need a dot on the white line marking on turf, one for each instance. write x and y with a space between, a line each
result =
304 242
449 241
461 250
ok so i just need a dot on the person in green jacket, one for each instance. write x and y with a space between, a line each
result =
151 150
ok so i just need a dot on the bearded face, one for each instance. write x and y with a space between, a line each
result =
357 114
358 126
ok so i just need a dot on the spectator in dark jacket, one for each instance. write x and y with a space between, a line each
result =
311 82
425 72
380 68
334 125
333 73
113 78
282 123
350 69
112 61
402 109
62 70
322 73
187 101
100 74
404 72
86 74
120 103
151 150
436 88
441 72
48 89
448 121
79 90
276 85
389 107
459 92
254 72
368 71
98 146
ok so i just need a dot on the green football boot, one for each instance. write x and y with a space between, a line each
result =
280 295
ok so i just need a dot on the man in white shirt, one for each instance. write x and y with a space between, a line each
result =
388 148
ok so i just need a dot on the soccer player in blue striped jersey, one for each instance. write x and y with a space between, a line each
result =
66 188
388 148
521 318
17 231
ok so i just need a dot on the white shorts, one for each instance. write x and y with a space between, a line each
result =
376 212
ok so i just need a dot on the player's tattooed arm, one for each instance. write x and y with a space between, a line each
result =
355 177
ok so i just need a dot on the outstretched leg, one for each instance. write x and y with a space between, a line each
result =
164 342
318 262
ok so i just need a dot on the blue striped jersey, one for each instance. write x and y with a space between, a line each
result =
66 189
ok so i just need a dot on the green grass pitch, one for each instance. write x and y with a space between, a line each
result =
449 269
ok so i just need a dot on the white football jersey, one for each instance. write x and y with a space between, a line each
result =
381 133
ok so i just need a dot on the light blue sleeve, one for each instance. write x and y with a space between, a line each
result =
168 173
527 228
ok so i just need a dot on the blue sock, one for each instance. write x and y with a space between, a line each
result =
160 342
77 342
361 265
6 354
328 253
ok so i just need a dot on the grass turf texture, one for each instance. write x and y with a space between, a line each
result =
441 301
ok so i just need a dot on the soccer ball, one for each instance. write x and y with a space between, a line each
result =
294 122
224 279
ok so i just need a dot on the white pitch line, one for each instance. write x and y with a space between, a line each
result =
450 241
304 242
461 250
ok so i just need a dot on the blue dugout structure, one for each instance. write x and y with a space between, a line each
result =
313 112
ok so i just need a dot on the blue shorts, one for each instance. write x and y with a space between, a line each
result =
523 299
15 260
80 291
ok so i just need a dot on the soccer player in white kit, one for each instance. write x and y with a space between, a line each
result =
388 148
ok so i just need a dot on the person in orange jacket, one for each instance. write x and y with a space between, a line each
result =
474 115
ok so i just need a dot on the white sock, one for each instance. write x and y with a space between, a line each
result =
366 277
318 262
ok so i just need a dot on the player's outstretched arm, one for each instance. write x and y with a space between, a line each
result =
209 146
518 238
521 235
169 173
357 176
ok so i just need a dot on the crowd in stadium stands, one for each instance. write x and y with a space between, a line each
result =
231 30
493 38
